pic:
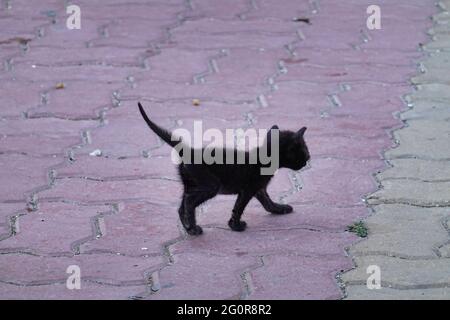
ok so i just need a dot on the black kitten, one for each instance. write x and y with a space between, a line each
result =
204 181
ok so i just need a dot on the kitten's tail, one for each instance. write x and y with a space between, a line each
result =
162 133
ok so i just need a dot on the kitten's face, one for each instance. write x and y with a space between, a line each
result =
296 153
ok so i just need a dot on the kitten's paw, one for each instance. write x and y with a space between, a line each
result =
195 231
237 225
282 209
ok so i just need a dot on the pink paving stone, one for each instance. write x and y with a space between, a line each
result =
9 52
139 229
334 58
22 8
80 56
98 4
203 276
49 127
308 95
252 65
347 73
268 27
256 242
402 36
169 91
183 109
19 177
166 192
59 291
12 99
104 168
126 33
345 35
184 64
54 228
348 147
350 5
228 40
90 99
141 11
8 210
65 55
38 145
41 137
117 140
101 74
104 268
222 34
323 185
298 277
376 99
58 36
351 8
5 230
11 28
272 9
220 10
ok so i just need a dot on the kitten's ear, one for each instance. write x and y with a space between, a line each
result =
301 132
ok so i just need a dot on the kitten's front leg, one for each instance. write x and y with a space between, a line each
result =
187 209
235 222
269 205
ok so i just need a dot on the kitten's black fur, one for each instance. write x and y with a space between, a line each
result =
204 181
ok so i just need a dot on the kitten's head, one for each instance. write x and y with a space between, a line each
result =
293 151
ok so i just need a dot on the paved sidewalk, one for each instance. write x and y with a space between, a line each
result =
410 225
67 95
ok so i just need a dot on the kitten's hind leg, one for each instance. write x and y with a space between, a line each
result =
269 205
235 222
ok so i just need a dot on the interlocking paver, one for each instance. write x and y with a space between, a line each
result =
402 273
395 231
65 222
110 269
408 231
145 239
203 271
250 64
358 293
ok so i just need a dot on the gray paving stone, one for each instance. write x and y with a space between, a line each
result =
418 193
416 169
402 273
362 293
428 110
445 251
432 92
423 139
403 230
433 76
442 43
